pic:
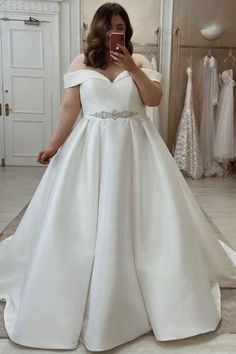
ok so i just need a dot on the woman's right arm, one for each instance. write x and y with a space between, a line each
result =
68 113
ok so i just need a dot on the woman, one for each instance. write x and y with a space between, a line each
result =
113 243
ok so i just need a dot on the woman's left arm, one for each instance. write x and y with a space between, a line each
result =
150 91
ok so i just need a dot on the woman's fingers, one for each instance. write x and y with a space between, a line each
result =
123 47
117 54
39 156
43 157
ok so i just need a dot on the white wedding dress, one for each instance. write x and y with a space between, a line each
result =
209 101
225 130
186 150
113 243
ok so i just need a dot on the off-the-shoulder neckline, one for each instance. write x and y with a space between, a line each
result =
104 76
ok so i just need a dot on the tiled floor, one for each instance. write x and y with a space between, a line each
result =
207 344
16 188
217 196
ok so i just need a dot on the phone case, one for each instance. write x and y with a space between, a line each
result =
116 37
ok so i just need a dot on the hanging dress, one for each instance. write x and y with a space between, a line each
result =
224 147
187 151
209 100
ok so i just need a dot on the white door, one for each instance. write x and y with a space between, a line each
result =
26 101
2 135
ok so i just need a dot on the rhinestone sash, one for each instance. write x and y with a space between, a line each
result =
114 114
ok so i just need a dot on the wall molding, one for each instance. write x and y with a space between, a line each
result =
46 7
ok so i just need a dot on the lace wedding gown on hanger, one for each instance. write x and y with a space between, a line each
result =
186 151
209 102
225 130
113 243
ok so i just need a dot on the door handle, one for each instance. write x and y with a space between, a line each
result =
7 109
0 109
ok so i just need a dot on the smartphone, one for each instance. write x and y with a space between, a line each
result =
115 38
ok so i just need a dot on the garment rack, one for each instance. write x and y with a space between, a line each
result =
145 44
207 46
190 46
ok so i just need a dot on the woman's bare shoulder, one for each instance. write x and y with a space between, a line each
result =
77 63
142 61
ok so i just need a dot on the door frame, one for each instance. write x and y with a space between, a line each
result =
166 37
2 135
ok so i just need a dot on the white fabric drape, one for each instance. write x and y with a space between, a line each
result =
153 113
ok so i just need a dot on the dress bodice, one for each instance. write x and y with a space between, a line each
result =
226 78
102 98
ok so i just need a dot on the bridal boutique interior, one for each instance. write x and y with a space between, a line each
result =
203 43
192 44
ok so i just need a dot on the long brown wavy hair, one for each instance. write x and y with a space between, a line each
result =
94 48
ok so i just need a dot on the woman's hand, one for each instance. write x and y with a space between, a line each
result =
45 154
123 60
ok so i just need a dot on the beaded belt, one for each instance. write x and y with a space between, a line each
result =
114 114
